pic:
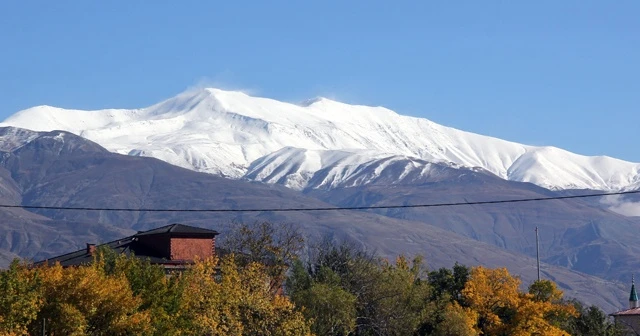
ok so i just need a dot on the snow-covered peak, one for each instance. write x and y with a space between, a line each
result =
232 133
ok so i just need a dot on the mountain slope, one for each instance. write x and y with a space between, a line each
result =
573 233
225 132
59 168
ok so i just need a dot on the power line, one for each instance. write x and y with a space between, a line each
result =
37 207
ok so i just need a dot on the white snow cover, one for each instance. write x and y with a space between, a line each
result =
236 135
298 168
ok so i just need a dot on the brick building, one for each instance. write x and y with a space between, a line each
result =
173 247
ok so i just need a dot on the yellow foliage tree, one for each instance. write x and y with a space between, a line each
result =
160 293
493 295
20 298
541 311
503 310
228 300
205 308
84 301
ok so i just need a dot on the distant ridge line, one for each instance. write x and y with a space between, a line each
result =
266 140
433 205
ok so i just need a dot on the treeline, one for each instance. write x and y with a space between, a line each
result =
345 291
262 287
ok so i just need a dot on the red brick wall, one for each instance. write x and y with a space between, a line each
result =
190 248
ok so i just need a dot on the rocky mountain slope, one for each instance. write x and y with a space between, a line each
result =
61 169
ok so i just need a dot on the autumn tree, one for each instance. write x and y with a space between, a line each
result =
339 290
225 299
205 309
502 310
160 294
548 301
493 295
85 300
20 298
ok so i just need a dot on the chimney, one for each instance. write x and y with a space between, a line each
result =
91 248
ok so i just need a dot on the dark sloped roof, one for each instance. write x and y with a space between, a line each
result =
627 312
179 229
129 245
83 256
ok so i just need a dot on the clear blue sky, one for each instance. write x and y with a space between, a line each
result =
562 73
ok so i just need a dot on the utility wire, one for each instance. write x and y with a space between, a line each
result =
433 205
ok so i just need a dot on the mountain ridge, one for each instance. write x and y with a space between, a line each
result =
227 132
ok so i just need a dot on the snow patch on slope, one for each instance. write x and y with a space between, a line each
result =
299 168
296 167
14 138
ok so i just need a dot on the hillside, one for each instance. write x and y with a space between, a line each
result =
61 169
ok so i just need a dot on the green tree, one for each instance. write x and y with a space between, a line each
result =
544 290
457 321
276 246
390 298
449 281
591 321
397 300
446 303
331 308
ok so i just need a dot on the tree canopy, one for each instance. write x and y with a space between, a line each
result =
338 289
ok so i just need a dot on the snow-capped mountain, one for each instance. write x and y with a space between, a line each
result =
321 143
